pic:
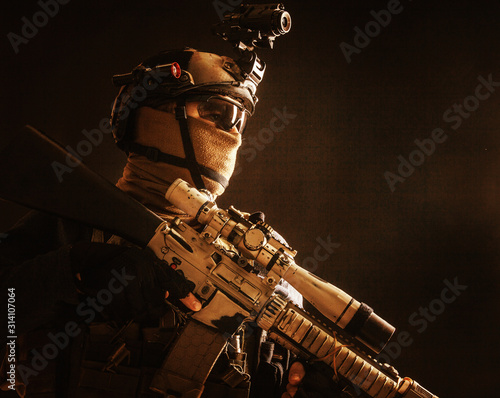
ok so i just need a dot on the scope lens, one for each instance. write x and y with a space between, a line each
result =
281 22
285 22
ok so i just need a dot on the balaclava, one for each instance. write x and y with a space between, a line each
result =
147 181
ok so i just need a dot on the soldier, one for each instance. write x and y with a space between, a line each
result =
92 316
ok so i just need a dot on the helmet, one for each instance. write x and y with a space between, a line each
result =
180 76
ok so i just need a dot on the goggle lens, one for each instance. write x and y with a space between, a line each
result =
223 113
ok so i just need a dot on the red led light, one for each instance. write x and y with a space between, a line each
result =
175 70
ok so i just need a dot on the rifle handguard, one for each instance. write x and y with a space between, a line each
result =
305 336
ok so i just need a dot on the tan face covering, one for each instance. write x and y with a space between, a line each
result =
147 181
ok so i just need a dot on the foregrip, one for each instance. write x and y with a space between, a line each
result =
189 361
305 336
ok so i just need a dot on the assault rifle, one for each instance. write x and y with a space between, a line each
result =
234 263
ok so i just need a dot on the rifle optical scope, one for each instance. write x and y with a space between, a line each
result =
256 242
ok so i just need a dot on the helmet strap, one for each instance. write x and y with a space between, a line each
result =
192 164
188 162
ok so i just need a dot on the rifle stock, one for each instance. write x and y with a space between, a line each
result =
29 178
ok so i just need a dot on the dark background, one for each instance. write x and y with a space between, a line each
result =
323 175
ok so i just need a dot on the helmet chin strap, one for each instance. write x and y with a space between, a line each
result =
192 164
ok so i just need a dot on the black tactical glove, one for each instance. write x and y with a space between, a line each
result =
126 282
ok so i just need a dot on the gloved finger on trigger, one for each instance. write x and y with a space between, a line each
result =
174 282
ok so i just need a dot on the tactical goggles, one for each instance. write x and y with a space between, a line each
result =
224 112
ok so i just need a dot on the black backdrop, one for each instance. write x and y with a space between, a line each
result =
321 177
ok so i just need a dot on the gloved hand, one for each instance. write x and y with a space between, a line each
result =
128 282
310 380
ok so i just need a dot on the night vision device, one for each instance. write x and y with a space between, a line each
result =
254 25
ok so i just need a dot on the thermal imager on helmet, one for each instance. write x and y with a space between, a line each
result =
254 25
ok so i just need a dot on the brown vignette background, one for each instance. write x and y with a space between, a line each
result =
323 174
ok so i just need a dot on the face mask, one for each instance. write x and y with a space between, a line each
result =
148 181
